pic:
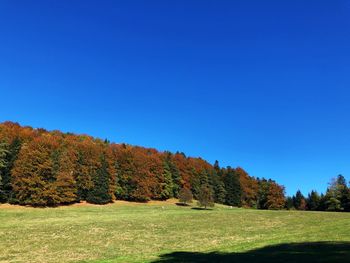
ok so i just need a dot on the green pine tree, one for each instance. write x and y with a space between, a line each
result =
99 194
218 188
313 201
337 197
3 164
299 200
289 203
263 191
167 186
232 187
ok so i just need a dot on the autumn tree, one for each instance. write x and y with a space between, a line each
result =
137 179
205 197
270 195
275 197
88 154
65 184
249 188
33 177
185 171
185 196
40 167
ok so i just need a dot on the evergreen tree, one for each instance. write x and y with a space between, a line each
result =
14 149
175 174
232 187
205 197
217 168
262 193
299 201
219 189
167 186
323 200
100 194
313 201
195 182
83 181
289 203
343 193
332 203
3 164
337 195
346 200
3 154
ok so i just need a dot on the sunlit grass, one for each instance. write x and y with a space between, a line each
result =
127 232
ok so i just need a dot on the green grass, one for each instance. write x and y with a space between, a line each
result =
157 232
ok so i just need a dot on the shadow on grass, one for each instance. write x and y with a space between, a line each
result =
201 208
182 204
318 252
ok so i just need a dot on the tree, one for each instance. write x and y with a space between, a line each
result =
43 168
262 193
175 175
219 189
346 200
275 196
337 197
33 177
99 194
249 187
185 196
65 183
87 154
232 187
205 197
289 203
299 201
3 164
333 204
217 167
303 205
270 195
313 201
343 193
167 184
3 153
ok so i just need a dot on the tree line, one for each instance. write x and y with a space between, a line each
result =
50 168
336 198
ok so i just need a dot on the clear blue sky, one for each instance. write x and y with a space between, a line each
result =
260 84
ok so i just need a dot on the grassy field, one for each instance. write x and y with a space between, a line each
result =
164 232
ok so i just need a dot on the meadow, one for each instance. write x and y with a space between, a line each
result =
165 232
